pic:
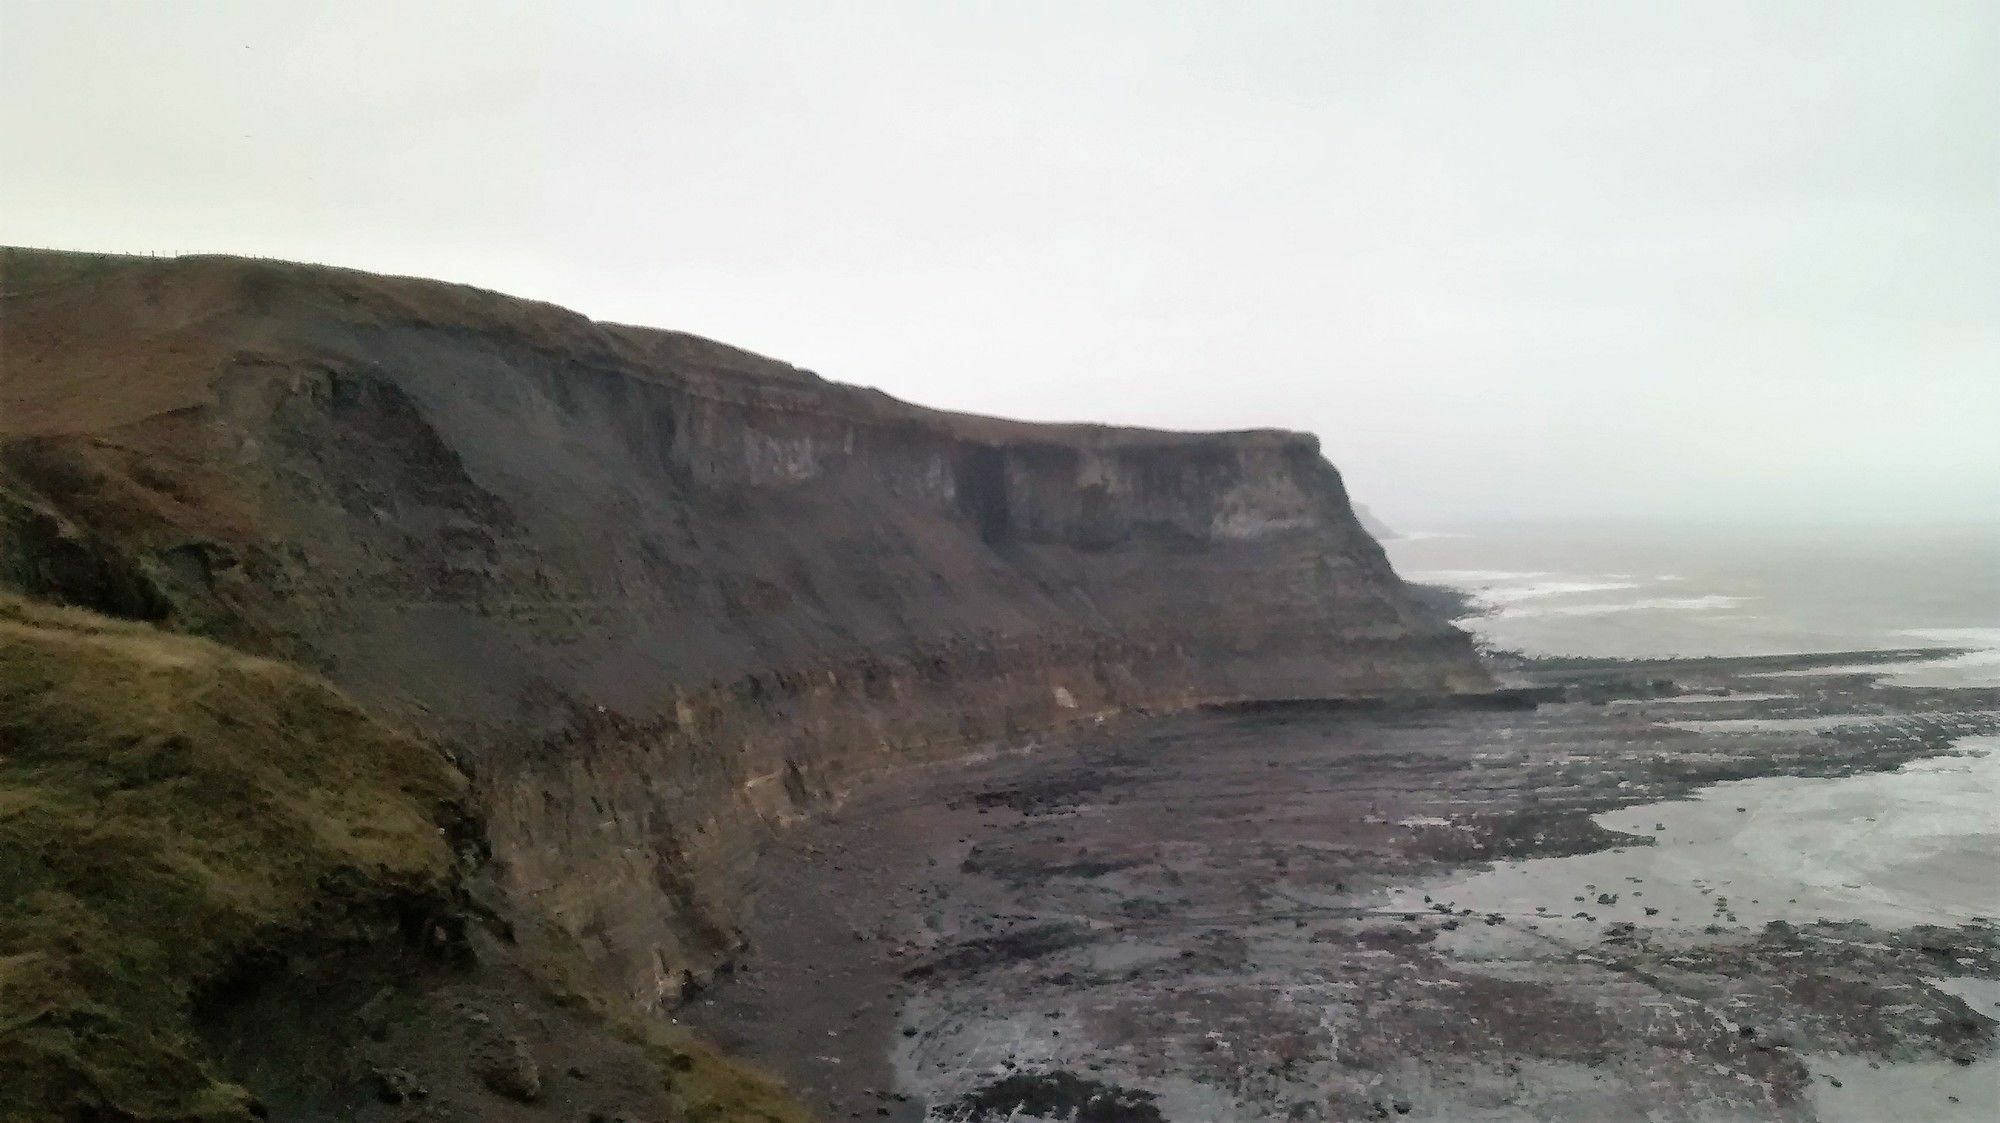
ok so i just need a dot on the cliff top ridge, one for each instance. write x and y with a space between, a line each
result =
93 341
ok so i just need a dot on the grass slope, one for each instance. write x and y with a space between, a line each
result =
166 807
169 808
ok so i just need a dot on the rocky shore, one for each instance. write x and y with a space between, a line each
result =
1228 916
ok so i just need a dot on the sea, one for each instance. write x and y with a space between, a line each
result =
1649 590
1916 846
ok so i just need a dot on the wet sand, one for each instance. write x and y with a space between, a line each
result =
1223 917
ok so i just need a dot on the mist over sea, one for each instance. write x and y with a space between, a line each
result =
1639 590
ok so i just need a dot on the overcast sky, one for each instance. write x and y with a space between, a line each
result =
1739 259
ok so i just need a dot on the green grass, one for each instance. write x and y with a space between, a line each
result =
709 1085
168 806
713 1087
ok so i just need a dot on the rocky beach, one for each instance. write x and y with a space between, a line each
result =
1434 915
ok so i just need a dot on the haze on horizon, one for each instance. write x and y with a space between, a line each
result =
1718 260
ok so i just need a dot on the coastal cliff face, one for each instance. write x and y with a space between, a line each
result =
657 594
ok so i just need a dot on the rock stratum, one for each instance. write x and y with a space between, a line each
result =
654 594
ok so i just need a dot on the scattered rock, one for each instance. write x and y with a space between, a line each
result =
397 1085
507 1068
373 1016
1059 1095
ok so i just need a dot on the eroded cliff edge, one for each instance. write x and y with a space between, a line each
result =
657 593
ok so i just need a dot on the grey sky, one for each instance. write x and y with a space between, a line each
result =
1739 259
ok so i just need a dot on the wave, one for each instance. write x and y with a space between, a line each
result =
1551 589
1958 637
1644 604
1977 667
1474 577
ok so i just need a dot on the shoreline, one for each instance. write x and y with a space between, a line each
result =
1084 921
1557 665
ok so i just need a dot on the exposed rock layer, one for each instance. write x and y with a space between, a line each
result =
659 591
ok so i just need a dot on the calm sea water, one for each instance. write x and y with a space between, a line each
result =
1646 590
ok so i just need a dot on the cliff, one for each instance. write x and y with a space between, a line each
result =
655 593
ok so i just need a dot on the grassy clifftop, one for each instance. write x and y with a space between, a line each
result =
167 806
